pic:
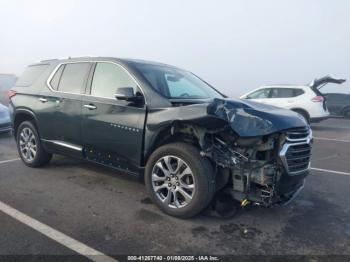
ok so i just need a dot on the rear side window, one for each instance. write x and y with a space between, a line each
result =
31 74
298 92
285 92
73 77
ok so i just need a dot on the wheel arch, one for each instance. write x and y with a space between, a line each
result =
303 110
22 115
172 134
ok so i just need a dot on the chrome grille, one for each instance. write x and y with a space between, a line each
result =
298 134
296 152
298 157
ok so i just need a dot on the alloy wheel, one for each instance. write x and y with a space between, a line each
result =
28 144
173 181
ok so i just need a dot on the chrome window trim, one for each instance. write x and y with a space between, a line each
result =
55 71
91 61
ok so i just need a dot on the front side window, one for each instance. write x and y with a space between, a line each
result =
174 83
73 77
108 78
258 94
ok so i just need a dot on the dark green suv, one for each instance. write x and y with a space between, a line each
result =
164 123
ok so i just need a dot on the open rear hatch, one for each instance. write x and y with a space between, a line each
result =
317 84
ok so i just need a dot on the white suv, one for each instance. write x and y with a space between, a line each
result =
306 100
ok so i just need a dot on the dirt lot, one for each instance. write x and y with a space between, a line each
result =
110 212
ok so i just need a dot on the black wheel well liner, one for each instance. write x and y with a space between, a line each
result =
173 135
166 137
22 115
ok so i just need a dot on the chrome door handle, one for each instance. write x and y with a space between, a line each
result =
43 100
90 107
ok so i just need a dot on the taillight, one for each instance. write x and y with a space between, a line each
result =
11 94
317 99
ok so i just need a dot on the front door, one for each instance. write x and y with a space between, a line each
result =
261 95
112 130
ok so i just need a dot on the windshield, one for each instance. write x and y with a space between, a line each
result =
175 83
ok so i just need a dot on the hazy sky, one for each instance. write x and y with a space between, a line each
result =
234 45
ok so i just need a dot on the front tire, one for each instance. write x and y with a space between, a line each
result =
179 180
29 146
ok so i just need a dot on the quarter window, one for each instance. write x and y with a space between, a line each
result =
108 78
56 78
31 74
73 77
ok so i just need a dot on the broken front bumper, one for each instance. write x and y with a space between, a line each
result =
287 198
281 182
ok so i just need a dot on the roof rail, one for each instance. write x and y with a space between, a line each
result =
67 57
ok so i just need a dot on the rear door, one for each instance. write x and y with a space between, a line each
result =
67 85
112 130
285 97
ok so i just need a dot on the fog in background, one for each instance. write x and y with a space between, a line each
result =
234 45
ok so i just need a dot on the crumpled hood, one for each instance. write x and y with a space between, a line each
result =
249 118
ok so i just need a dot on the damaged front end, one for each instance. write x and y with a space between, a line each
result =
261 153
266 169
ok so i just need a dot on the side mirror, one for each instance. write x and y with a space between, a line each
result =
125 93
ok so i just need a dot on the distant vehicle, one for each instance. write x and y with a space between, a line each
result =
306 100
338 104
184 137
6 82
5 121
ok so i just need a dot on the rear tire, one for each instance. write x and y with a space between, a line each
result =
29 146
187 173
